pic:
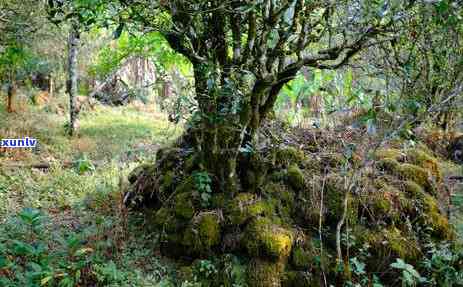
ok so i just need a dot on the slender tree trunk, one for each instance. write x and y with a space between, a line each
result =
51 87
72 76
11 97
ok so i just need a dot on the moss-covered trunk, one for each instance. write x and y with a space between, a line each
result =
227 122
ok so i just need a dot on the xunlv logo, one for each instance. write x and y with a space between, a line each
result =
18 143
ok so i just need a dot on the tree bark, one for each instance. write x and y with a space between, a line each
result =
73 76
11 97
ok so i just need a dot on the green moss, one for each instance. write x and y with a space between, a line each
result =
167 181
263 238
274 189
389 153
185 273
280 192
203 233
246 206
381 204
408 172
390 202
184 207
424 159
289 155
296 177
334 203
412 188
209 230
186 186
165 220
406 204
434 219
161 217
262 273
388 164
417 174
302 258
281 202
389 243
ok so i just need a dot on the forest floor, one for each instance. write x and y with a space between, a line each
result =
78 187
80 183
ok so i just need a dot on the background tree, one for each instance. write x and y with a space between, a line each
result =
18 24
73 48
422 66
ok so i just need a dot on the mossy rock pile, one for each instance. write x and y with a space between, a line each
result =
389 208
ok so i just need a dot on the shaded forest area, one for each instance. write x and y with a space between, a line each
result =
265 143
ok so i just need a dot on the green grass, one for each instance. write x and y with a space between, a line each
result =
114 139
119 131
87 203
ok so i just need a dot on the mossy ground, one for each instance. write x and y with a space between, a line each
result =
390 207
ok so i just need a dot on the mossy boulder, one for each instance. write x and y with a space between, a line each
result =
335 192
417 174
289 155
381 204
264 239
269 222
389 153
184 207
203 233
303 258
386 203
390 243
263 273
164 219
185 273
296 177
388 164
412 188
245 206
426 160
167 181
408 172
281 199
433 218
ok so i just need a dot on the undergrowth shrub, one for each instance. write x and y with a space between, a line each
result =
36 251
31 256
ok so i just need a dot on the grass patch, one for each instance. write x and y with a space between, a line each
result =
87 235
